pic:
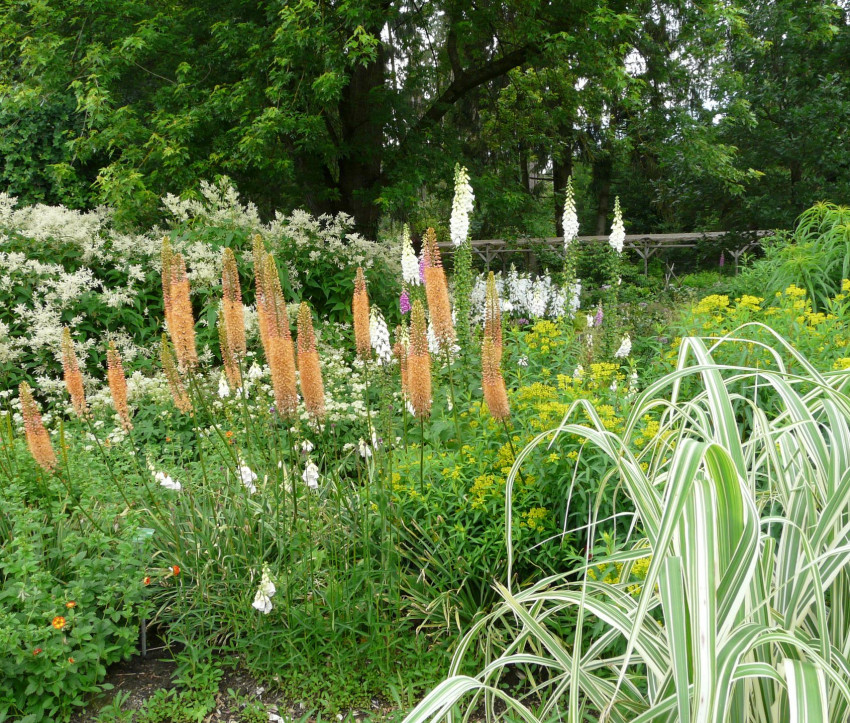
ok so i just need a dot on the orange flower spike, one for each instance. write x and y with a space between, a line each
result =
166 255
493 315
183 321
73 376
175 383
312 388
437 293
492 381
419 363
228 358
275 302
360 309
38 440
231 291
118 386
401 353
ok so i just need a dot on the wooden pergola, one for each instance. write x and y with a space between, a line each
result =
644 245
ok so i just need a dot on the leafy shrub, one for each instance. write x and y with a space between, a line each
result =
816 256
70 604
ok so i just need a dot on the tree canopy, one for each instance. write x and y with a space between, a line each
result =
699 114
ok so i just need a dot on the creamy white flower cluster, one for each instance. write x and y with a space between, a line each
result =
527 296
409 262
380 336
570 217
618 230
462 205
265 592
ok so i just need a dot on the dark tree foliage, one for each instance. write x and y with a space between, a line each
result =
698 114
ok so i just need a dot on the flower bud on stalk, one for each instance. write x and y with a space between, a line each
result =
38 440
228 358
492 382
493 315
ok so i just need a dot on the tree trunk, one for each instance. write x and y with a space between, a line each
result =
602 171
562 169
361 114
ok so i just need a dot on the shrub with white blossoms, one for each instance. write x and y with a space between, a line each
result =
265 592
525 295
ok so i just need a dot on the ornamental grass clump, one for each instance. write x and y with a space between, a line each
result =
360 312
738 510
72 374
118 386
312 388
38 439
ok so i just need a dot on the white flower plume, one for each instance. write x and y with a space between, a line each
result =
570 218
625 348
462 206
618 231
380 336
409 262
311 475
265 592
167 481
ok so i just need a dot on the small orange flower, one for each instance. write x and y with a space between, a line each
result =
71 660
70 604
147 580
36 651
58 622
228 434
175 569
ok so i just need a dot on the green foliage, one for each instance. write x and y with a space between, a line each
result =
729 525
816 256
71 603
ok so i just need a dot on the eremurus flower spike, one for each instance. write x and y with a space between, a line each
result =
492 381
38 440
175 383
437 293
118 385
419 363
182 327
231 292
312 388
72 374
360 309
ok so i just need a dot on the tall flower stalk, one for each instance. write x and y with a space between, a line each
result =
312 388
437 293
462 205
176 386
569 222
38 439
419 378
118 386
182 326
72 374
360 311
